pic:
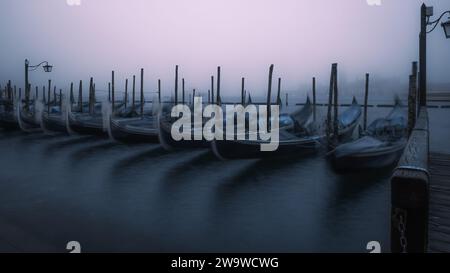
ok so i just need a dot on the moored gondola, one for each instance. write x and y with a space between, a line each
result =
381 145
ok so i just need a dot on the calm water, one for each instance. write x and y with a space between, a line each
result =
114 197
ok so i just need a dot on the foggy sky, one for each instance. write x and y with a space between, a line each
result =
300 37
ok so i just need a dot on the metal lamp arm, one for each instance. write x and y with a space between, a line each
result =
34 67
436 22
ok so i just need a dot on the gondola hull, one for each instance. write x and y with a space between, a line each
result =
85 124
168 143
381 158
133 130
8 122
54 123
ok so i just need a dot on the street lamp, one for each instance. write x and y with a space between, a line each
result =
426 13
446 26
28 68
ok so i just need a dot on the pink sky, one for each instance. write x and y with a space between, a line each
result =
302 38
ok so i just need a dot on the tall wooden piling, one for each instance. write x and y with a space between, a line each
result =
80 96
269 94
314 98
109 91
60 99
92 96
182 91
159 91
48 93
126 92
212 90
176 84
366 101
330 101
142 92
219 100
336 107
113 97
209 96
134 92
72 98
279 92
287 97
242 91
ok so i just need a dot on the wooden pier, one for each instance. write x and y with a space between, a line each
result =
439 207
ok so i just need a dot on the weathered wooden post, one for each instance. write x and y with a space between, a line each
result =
159 91
109 91
182 91
134 92
113 97
330 102
336 106
80 96
176 84
212 90
366 101
60 99
209 96
91 95
242 91
269 94
126 92
48 93
219 100
287 97
314 98
279 93
72 98
142 92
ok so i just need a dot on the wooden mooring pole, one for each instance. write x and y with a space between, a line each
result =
219 100
142 92
113 97
182 91
80 96
366 100
269 94
314 98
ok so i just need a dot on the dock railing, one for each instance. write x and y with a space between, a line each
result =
410 192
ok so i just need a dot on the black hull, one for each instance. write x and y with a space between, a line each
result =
54 124
366 161
9 124
168 143
118 131
28 122
93 127
244 150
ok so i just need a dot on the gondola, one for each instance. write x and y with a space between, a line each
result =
8 117
298 134
128 126
28 116
380 146
85 122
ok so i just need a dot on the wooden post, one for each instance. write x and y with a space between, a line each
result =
287 97
219 100
242 91
134 92
109 91
193 96
113 97
366 101
126 92
80 96
60 100
269 94
336 106
48 93
43 94
142 92
279 92
330 102
176 84
314 98
91 97
212 90
209 96
182 90
159 91
72 98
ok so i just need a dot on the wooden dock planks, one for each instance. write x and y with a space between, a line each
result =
439 207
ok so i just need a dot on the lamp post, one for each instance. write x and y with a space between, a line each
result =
425 15
47 68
